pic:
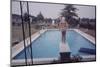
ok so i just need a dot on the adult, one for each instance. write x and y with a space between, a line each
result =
63 27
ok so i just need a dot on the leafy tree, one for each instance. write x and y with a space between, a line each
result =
69 12
26 17
40 17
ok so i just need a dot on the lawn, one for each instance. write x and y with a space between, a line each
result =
17 34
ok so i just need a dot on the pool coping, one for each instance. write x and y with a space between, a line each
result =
88 58
19 47
35 61
87 36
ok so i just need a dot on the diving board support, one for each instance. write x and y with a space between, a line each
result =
64 52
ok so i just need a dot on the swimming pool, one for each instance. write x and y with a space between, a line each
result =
47 45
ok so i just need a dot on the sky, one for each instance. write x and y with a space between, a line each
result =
53 10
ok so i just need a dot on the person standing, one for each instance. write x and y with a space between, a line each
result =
63 27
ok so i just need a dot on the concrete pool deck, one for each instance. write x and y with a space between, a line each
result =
88 58
35 61
19 47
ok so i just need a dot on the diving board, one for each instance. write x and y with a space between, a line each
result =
64 52
64 47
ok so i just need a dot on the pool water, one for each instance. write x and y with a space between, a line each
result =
47 45
76 41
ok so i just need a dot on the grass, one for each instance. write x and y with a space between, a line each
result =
89 31
17 34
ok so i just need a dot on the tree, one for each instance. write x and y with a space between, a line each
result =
40 17
26 17
69 12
